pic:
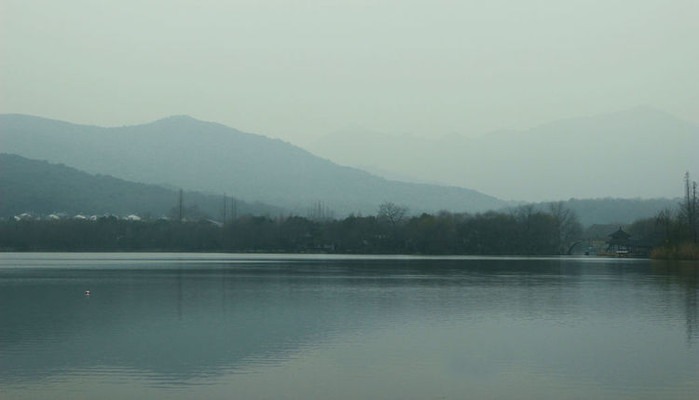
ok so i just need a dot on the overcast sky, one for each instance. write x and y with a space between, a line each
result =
298 69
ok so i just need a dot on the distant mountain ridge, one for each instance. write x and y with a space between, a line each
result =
640 152
181 151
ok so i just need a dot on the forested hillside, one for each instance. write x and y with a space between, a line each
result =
41 187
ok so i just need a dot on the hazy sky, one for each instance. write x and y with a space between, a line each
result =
298 69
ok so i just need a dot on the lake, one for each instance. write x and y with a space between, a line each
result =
219 326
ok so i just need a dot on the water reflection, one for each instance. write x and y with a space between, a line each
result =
188 322
681 278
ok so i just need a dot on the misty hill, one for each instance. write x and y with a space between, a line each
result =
619 211
613 211
41 187
640 152
195 155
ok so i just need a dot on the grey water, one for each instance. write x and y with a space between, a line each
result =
217 326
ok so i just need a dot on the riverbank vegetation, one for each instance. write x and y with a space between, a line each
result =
524 231
680 228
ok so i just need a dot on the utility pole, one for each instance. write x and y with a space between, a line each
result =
180 207
225 208
234 208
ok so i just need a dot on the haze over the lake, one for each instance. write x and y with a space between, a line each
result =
299 70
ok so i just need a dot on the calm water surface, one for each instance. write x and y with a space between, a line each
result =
238 326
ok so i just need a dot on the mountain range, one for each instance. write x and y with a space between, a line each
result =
640 152
182 152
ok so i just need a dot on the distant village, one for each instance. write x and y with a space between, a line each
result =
62 216
27 216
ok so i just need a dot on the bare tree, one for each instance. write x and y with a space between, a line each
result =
567 225
664 219
391 213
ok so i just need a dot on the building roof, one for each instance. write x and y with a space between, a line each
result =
619 234
618 237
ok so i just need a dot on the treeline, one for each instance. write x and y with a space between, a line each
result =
522 232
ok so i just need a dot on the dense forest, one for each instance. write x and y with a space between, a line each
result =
525 231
